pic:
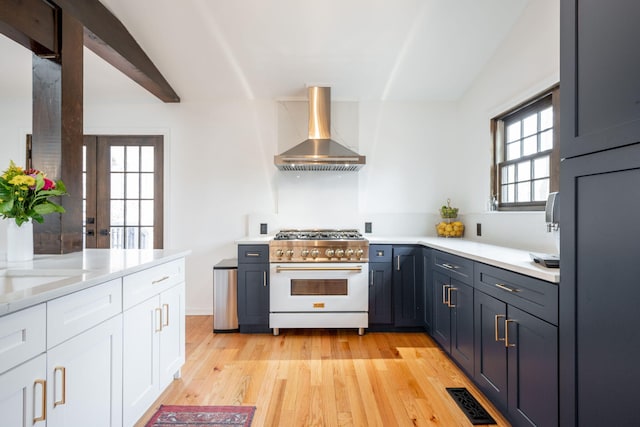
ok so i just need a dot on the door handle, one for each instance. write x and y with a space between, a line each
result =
444 294
63 372
105 232
43 403
449 297
506 333
264 279
398 262
495 326
371 278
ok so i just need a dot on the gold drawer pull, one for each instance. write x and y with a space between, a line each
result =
495 326
506 333
63 372
507 288
160 280
43 403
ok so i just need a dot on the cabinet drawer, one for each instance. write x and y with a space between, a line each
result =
144 284
380 253
532 295
75 313
453 265
22 336
253 254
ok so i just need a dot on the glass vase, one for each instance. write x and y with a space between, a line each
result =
19 241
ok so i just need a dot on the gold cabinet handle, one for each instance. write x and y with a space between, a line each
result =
63 372
371 278
252 254
495 326
43 403
162 279
444 294
506 333
159 311
264 279
506 288
165 308
449 296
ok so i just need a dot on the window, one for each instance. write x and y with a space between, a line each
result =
526 166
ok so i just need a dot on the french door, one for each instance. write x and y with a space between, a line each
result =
122 192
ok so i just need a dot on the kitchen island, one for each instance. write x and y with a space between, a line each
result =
97 334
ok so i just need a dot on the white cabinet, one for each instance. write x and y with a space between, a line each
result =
84 357
23 367
84 378
154 334
22 394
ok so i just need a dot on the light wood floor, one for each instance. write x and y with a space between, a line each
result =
321 378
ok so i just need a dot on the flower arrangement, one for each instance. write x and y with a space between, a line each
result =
24 194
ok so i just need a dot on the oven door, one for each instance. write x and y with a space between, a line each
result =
325 287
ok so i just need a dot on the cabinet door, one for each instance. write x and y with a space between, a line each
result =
462 325
441 326
599 292
533 370
380 301
142 326
253 294
407 284
599 71
427 283
172 340
22 394
84 378
490 351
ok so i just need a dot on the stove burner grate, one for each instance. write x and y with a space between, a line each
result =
318 235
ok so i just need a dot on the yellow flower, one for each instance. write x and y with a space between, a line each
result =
27 180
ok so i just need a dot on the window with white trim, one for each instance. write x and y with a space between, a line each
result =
526 166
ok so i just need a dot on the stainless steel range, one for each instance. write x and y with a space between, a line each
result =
319 280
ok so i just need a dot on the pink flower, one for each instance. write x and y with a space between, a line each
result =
48 184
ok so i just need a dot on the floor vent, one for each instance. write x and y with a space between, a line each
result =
470 406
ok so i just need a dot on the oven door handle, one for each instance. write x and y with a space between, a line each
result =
356 268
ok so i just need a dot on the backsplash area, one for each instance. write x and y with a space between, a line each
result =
519 230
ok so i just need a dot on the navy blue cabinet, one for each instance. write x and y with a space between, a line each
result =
599 293
408 286
599 69
516 353
427 293
452 303
380 285
253 288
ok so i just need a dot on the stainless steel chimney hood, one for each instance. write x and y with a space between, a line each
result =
319 152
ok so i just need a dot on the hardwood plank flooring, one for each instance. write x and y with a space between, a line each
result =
321 378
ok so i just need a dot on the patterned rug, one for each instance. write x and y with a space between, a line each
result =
196 416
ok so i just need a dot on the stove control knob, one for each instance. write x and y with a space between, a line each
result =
289 253
329 253
339 253
359 253
279 253
314 253
349 253
304 253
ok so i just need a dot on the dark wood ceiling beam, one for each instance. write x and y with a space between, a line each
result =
32 23
105 35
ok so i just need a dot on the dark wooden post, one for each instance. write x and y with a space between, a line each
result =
57 135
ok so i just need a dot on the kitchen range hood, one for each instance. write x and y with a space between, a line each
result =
319 152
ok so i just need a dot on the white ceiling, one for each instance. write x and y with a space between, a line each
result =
259 49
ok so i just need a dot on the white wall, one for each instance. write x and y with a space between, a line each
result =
221 181
526 63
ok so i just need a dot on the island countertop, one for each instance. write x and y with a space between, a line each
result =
47 277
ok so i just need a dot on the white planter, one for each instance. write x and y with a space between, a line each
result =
19 241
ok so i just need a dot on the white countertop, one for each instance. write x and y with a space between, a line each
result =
515 260
51 276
